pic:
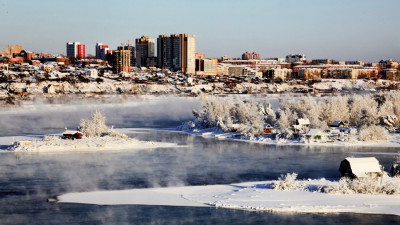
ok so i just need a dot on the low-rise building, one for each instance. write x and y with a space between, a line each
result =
238 71
392 74
278 73
206 66
92 73
4 67
309 73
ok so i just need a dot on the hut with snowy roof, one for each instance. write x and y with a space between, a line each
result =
301 124
268 128
337 123
316 134
360 167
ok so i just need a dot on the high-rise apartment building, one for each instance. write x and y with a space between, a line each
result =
177 52
133 54
162 47
145 47
72 49
249 56
81 51
98 47
122 59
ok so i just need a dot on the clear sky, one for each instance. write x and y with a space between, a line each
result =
366 30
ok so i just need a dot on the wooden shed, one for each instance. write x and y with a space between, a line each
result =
360 167
72 135
268 129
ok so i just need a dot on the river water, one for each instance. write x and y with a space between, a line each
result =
28 180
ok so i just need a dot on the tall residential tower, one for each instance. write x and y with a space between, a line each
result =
177 52
122 59
72 49
144 51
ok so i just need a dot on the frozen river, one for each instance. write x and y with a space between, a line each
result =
28 180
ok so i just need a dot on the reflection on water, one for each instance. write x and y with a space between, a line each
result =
27 180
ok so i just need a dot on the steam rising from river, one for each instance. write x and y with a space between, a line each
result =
44 117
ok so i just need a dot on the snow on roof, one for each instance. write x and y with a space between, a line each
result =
268 126
314 132
70 132
336 123
303 121
361 166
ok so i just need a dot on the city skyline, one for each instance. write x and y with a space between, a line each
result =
356 30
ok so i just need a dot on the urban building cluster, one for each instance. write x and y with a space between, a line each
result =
176 55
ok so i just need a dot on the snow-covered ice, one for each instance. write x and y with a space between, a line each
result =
246 196
94 144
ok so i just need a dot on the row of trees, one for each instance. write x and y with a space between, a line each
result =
366 112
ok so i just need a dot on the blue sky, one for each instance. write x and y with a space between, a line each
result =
343 30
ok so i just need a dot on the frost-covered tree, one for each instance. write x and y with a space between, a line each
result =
394 98
96 127
248 116
251 118
215 112
286 119
335 108
356 107
363 110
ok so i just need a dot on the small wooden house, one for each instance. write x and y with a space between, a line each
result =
268 129
360 167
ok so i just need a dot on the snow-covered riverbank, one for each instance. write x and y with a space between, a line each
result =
393 140
247 196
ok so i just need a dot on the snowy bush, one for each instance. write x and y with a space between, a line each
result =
373 133
286 182
51 138
368 185
116 134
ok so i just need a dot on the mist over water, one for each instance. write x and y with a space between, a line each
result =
28 180
47 117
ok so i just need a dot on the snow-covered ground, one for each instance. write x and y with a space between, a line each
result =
246 196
